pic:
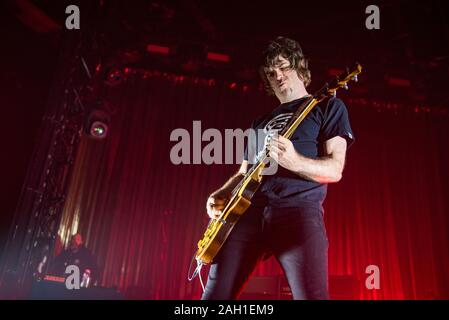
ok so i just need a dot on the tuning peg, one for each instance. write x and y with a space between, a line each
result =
334 93
355 78
345 86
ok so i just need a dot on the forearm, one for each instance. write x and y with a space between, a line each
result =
231 183
323 170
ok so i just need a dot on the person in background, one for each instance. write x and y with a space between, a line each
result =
77 254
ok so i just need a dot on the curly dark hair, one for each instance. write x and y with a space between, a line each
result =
290 50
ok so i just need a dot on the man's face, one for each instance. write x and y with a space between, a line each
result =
76 242
282 78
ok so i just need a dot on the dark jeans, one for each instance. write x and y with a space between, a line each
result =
295 236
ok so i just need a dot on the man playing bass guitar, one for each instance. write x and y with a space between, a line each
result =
285 218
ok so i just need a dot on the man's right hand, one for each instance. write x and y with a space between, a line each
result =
216 203
217 200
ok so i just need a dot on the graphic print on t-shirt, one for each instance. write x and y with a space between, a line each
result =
278 122
273 126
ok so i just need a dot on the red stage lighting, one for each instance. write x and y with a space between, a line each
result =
334 72
218 57
398 82
153 48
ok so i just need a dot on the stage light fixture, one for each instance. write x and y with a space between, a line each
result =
99 130
218 57
114 77
154 48
97 124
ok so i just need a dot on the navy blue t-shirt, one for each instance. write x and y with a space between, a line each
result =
285 188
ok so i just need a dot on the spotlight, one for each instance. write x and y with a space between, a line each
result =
99 130
97 124
114 77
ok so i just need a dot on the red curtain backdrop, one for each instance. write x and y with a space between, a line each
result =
142 215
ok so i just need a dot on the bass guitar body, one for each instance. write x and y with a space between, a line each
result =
219 229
